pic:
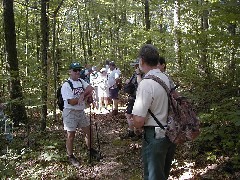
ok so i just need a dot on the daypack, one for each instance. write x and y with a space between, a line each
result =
119 83
60 101
182 122
130 88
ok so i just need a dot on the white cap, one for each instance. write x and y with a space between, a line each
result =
103 70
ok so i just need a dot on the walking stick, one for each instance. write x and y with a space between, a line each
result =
90 153
98 140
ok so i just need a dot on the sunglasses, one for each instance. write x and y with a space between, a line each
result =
76 70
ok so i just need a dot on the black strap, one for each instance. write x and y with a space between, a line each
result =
71 84
157 121
161 82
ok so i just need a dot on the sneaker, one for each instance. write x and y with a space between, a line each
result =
95 154
73 160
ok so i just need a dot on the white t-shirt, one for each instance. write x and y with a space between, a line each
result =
151 95
112 76
103 88
94 78
67 93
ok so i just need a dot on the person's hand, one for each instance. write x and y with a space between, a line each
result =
81 99
137 70
127 81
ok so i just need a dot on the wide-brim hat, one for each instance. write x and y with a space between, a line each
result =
75 65
135 62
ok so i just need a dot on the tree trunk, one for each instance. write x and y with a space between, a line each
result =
147 19
203 64
55 60
17 107
177 37
44 50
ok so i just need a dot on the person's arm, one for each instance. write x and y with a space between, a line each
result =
139 75
87 93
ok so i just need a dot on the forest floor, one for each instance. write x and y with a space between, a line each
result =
43 156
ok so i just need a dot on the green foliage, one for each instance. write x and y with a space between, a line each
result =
219 132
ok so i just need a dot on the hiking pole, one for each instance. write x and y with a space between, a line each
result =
90 152
98 140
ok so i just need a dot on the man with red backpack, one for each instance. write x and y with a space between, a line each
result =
158 150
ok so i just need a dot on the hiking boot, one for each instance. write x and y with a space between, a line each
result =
128 135
95 154
73 160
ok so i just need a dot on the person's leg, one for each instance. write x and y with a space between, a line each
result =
87 135
169 158
69 142
70 125
106 102
115 104
114 96
100 103
154 155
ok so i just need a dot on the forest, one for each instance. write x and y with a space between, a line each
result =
200 40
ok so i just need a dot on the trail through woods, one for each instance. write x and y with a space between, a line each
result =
45 156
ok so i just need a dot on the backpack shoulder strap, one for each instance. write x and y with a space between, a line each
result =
161 82
70 84
81 82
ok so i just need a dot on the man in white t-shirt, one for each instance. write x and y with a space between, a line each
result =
73 113
113 78
158 151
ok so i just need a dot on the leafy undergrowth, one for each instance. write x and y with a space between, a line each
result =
36 155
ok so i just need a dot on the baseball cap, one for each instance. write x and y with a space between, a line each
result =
112 63
75 65
94 68
136 62
102 70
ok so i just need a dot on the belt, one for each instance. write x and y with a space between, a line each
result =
152 127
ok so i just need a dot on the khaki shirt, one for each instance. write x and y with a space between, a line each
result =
151 95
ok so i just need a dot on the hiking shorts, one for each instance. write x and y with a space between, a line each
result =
113 93
73 119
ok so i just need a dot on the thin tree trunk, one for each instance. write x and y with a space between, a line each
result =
82 42
18 112
44 51
177 37
147 19
203 64
55 60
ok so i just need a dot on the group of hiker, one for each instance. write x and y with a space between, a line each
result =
106 86
144 95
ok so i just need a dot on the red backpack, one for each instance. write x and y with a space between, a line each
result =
182 122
